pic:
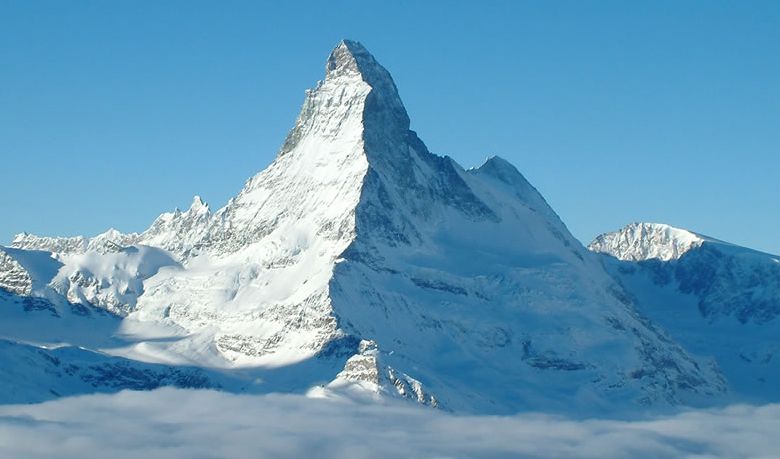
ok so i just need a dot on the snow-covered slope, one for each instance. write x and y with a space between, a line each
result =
33 373
716 298
358 260
727 279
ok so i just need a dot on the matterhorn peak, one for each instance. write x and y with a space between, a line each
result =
356 233
357 98
348 57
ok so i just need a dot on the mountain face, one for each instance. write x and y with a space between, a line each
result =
715 298
356 263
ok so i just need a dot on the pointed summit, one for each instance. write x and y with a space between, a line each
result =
352 58
357 95
198 206
344 59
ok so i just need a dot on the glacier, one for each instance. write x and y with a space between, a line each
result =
358 263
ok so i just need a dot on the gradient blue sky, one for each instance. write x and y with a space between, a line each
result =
113 112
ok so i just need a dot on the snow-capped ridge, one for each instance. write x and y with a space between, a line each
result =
502 170
68 244
644 241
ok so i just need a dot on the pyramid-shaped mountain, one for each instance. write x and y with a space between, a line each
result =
358 263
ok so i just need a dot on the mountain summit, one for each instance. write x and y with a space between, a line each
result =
360 263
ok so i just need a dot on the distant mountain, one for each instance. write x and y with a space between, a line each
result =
715 298
646 241
357 263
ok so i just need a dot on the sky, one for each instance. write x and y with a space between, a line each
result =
664 111
176 423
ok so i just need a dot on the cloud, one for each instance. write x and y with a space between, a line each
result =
173 423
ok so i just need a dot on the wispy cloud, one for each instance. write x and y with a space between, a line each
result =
171 423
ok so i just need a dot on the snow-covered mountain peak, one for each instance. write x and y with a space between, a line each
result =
501 170
335 107
384 111
727 279
351 59
643 241
348 57
198 206
465 282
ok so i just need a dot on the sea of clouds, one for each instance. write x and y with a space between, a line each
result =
175 423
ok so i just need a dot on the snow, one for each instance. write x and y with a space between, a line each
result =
747 353
113 281
644 241
719 300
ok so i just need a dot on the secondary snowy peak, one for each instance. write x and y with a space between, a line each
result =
644 241
729 280
179 232
501 173
198 206
714 297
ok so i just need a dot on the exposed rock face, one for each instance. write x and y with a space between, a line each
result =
465 279
365 372
13 277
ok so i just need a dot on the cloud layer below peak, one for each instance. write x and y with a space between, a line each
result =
170 423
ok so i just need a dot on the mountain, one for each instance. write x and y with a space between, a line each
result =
358 263
715 298
646 241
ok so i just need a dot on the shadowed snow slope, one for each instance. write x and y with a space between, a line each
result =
360 261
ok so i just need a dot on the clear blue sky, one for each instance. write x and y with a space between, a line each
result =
113 112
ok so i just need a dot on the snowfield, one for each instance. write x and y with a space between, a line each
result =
175 423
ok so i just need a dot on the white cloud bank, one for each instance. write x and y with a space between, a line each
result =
173 423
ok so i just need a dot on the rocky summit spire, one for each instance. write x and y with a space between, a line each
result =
344 59
356 86
352 58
